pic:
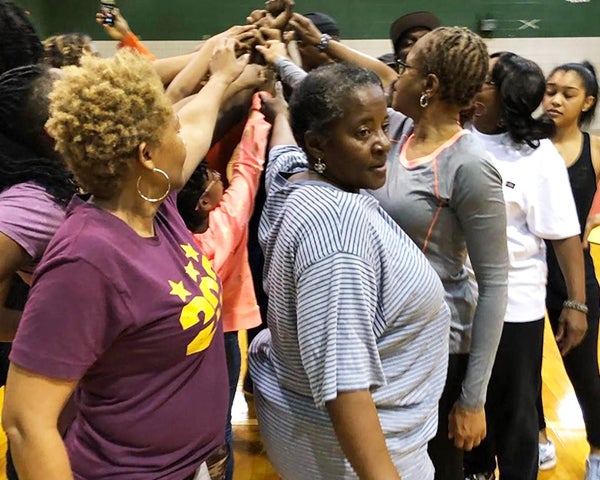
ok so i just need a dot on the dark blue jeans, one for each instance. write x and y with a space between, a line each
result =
232 352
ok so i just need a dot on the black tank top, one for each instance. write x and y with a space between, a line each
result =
583 184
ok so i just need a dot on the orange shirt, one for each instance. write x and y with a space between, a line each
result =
226 240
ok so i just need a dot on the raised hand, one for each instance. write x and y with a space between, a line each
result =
272 50
119 29
224 62
305 29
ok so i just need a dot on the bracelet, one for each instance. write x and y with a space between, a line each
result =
324 42
573 305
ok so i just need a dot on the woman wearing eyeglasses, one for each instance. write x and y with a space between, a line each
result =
445 194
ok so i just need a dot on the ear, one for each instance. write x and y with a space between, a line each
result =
431 85
314 143
588 103
145 156
205 204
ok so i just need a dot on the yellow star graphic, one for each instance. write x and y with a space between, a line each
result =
179 290
191 271
190 252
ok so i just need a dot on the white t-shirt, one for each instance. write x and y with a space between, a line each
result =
539 205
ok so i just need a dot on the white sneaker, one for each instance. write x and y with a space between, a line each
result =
547 456
592 467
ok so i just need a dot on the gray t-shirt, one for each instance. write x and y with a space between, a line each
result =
448 202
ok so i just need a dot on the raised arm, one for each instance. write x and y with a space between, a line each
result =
188 79
198 117
276 112
311 35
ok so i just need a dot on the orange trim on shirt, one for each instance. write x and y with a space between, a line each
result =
427 158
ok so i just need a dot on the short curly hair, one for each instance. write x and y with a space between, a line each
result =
459 58
101 112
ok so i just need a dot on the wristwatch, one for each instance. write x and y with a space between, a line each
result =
573 305
324 42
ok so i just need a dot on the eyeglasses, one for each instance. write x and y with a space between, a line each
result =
216 177
401 66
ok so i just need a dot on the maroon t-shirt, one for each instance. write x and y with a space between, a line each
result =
137 322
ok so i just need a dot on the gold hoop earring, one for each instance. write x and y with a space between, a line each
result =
163 196
319 166
423 100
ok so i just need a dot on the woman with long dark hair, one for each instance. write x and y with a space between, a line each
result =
570 101
539 206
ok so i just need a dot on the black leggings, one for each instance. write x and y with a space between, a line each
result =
510 409
581 365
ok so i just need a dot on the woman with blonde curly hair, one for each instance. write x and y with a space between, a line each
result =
124 309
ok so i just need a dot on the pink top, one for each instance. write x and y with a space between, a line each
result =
225 242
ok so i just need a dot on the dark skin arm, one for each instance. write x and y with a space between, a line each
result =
356 424
572 324
12 259
312 36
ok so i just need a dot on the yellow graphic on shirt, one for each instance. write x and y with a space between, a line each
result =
191 271
190 252
179 290
205 307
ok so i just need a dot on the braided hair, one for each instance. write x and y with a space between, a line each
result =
26 152
459 58
66 49
19 44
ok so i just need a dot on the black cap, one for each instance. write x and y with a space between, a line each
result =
324 23
411 20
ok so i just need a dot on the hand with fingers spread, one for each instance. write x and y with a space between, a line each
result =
272 50
119 29
305 29
253 76
244 36
224 62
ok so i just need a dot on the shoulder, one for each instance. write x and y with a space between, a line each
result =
595 153
470 160
30 217
547 158
324 212
27 192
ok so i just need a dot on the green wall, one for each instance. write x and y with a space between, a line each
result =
358 19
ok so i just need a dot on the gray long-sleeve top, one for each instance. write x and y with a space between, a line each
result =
448 203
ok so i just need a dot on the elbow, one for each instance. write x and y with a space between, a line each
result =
12 425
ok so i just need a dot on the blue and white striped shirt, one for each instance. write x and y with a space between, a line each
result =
353 305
